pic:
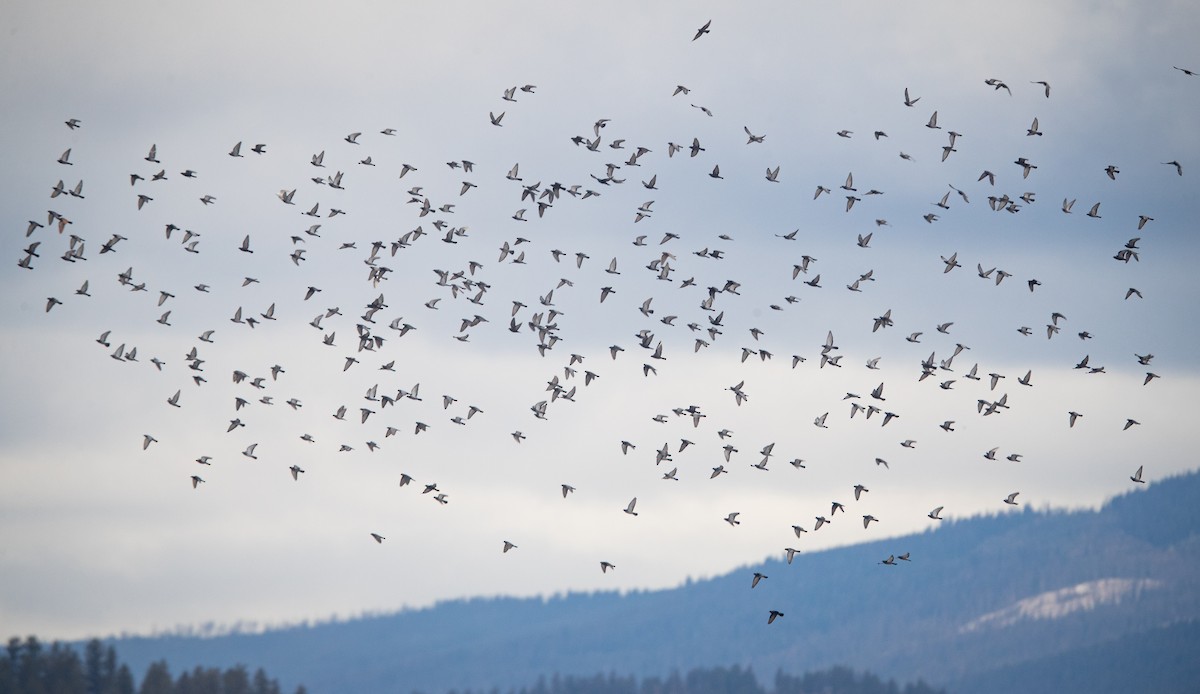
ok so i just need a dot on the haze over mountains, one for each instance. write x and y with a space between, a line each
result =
1051 599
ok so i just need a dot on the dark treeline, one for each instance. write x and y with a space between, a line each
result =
722 680
29 667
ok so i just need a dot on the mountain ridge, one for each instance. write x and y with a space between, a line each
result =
841 608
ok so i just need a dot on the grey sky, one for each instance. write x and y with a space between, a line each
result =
98 536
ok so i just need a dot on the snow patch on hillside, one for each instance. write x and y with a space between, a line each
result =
1057 604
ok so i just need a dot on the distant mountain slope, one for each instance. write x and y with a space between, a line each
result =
1164 661
985 594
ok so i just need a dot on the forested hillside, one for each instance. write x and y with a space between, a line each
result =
978 595
721 680
1164 661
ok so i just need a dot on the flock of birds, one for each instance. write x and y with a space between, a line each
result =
67 234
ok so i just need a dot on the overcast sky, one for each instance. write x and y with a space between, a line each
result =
100 536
